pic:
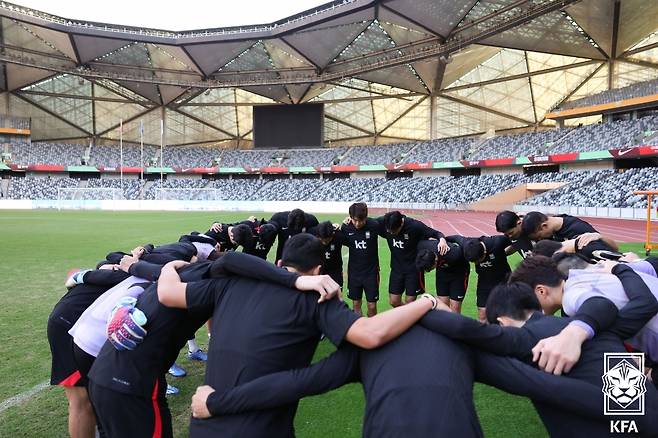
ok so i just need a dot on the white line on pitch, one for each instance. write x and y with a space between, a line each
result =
23 396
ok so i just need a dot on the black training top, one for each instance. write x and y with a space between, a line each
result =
260 329
523 245
363 248
494 269
404 245
449 264
284 232
395 407
168 329
572 227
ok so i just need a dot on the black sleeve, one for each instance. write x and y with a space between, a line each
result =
597 312
641 307
146 270
112 258
515 377
505 341
459 240
246 265
286 387
104 277
201 296
311 221
502 242
334 319
427 232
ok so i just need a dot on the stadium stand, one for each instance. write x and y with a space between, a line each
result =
376 154
39 188
110 155
131 187
603 136
639 89
605 188
584 188
450 149
530 143
47 153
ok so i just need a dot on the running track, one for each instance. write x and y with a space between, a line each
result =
471 223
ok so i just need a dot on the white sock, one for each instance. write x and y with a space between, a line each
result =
192 346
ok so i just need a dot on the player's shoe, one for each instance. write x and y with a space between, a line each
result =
197 355
177 371
74 277
172 390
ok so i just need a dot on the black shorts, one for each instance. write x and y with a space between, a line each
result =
357 285
64 369
413 283
486 285
131 416
337 277
452 285
83 360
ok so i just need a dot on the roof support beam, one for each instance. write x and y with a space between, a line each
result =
522 15
336 119
628 53
486 109
404 113
128 120
613 50
641 62
411 20
203 122
523 75
575 90
55 115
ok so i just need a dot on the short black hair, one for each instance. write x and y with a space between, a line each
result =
536 270
302 252
513 300
565 262
266 234
473 250
326 230
296 220
425 260
506 220
393 220
532 222
358 210
546 247
242 235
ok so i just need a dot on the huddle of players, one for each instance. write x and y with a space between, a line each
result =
259 329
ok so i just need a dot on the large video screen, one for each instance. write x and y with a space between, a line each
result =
288 126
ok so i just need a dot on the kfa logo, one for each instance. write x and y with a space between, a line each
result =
398 244
327 255
624 386
360 244
260 246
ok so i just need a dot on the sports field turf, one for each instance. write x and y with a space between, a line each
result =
39 247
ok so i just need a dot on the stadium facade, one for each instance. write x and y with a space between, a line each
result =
386 71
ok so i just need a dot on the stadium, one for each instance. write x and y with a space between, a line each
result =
451 111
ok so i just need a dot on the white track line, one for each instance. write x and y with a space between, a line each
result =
632 234
23 396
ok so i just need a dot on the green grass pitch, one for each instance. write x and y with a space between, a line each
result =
39 247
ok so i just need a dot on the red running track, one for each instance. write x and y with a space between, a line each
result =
472 223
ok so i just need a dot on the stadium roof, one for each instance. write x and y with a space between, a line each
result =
388 69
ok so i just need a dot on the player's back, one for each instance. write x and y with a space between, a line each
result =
420 384
259 328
